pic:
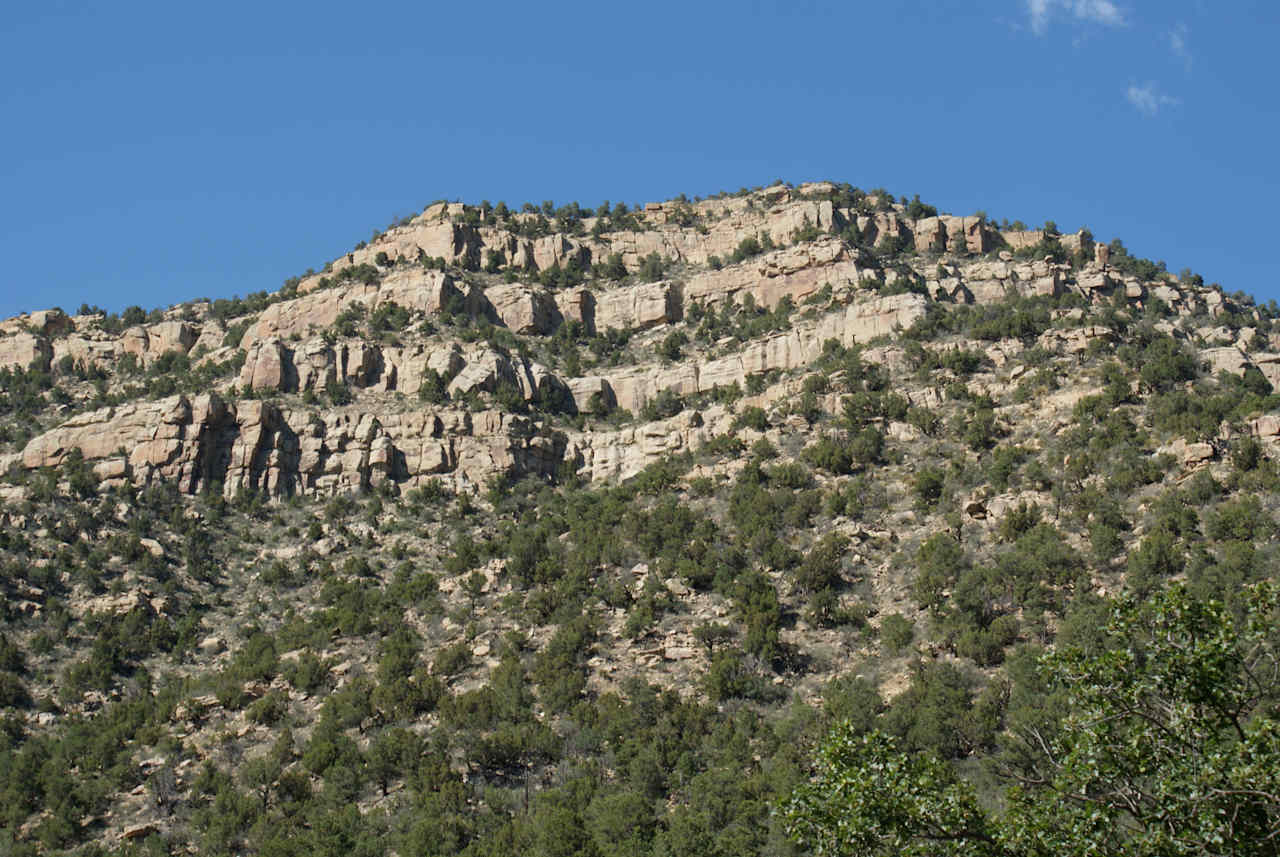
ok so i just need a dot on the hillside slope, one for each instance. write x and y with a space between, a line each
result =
573 531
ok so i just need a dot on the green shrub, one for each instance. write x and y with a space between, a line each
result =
935 714
269 709
672 346
652 268
752 417
729 678
746 248
830 455
820 568
1018 520
928 487
939 562
853 699
986 645
452 660
896 632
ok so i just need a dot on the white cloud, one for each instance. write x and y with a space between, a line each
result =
1039 11
1103 12
1149 100
1099 11
1178 44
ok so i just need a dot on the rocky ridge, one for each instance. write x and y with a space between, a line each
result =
282 447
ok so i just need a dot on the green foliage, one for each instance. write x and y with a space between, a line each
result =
979 429
453 659
917 209
1171 748
753 418
729 677
672 346
896 632
557 277
612 268
936 713
852 700
388 317
829 454
842 455
1017 317
928 486
746 248
1133 266
559 669
742 323
820 568
1018 520
939 562
435 387
757 606
1240 520
235 334
1198 413
871 798
652 268
1157 560
663 406
339 393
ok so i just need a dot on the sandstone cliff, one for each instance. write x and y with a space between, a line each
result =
296 350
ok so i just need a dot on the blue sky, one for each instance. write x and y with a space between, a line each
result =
156 152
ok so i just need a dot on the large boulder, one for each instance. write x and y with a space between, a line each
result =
484 369
25 351
1269 364
170 336
1226 359
264 455
178 439
268 365
414 288
592 393
521 308
552 251
50 322
90 351
638 307
1022 239
148 342
315 363
578 305
930 234
538 383
426 235
795 272
971 233
361 364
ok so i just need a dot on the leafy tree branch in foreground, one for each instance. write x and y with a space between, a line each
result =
1170 746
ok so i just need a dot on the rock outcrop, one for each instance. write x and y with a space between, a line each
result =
796 272
522 309
316 311
25 350
638 307
254 445
269 366
860 322
327 410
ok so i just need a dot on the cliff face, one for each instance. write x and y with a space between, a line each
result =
291 438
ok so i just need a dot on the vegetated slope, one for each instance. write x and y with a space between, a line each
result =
573 532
